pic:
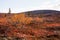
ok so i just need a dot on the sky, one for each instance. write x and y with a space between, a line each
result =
28 5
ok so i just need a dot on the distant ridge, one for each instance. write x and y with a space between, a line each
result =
43 11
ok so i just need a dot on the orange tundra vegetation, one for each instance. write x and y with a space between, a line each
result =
19 25
21 18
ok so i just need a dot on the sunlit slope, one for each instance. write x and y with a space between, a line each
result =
30 24
5 18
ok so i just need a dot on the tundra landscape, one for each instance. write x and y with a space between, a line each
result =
31 25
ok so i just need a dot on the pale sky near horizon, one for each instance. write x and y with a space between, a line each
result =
28 5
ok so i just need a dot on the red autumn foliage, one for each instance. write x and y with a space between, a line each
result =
19 25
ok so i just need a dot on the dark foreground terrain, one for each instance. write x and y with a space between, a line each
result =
31 25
